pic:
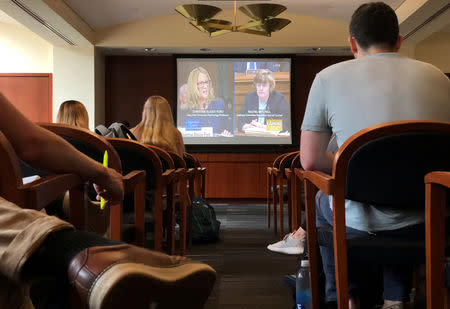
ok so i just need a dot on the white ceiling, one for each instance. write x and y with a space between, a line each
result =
5 18
99 14
104 13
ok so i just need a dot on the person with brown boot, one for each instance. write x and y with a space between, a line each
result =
99 272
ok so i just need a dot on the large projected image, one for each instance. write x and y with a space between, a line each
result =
234 100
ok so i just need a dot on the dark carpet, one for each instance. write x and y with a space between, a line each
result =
249 276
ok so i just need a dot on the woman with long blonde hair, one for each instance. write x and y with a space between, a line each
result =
201 100
157 126
74 113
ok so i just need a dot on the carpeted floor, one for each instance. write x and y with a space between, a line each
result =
249 276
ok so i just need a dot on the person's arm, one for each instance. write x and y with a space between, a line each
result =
313 151
43 149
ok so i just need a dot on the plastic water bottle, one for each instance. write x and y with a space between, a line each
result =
302 290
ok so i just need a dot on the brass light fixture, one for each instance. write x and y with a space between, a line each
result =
263 18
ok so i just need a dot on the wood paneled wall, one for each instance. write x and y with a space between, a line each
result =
130 80
236 175
30 93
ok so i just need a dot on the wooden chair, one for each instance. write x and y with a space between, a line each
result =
278 183
94 147
294 194
198 188
271 189
375 166
169 192
437 185
134 155
38 194
183 199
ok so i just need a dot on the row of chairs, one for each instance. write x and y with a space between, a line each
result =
146 168
384 165
282 185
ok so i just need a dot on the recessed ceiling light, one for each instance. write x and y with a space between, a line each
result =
150 49
205 49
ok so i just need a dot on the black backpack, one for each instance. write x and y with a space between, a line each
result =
116 129
205 226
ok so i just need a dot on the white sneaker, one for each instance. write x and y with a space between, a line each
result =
288 245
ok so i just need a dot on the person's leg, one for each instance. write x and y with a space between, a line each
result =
101 272
324 217
22 232
397 284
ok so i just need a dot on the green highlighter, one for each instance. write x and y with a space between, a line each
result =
105 164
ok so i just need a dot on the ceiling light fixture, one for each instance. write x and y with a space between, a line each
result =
263 20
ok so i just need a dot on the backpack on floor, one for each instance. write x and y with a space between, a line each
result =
116 129
205 226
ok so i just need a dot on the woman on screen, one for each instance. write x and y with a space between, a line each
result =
157 126
205 110
265 108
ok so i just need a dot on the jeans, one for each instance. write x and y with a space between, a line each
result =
396 278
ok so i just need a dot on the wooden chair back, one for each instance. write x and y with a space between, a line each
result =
94 147
375 166
38 194
135 155
437 198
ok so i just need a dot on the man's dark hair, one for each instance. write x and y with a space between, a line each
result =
374 24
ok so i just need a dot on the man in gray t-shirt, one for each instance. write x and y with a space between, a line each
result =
378 86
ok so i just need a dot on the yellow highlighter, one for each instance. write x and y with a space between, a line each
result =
105 164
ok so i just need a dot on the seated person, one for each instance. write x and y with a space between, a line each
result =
157 126
73 113
203 109
378 86
263 105
100 272
294 243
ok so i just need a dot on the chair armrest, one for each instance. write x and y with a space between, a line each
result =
180 172
299 173
442 178
322 181
41 192
168 175
190 172
131 179
276 172
288 172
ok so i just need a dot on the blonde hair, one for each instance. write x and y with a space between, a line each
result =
157 128
74 113
193 95
264 76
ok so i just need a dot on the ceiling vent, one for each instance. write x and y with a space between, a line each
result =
427 21
40 20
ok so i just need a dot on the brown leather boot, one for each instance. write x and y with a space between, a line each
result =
126 276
